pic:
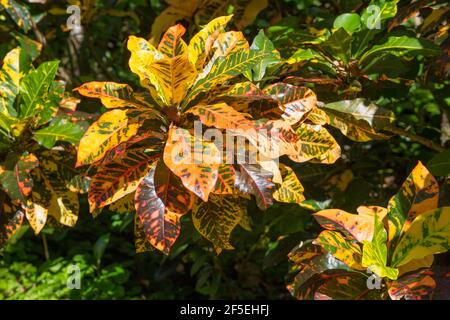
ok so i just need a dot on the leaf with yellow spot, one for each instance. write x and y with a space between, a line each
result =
315 142
123 205
222 116
418 194
197 45
216 219
36 216
428 234
10 77
222 70
114 95
111 129
171 78
143 54
118 178
359 227
196 162
296 102
19 13
341 248
291 190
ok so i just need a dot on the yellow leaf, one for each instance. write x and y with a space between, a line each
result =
291 190
197 45
112 128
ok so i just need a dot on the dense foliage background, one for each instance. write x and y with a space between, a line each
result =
416 90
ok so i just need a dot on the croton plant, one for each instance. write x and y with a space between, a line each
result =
141 149
37 179
397 244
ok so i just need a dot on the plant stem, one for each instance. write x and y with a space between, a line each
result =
46 252
413 137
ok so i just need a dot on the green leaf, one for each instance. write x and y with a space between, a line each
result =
100 247
34 89
400 46
305 55
439 165
359 120
375 252
351 22
428 234
223 69
338 45
60 129
19 13
263 44
373 19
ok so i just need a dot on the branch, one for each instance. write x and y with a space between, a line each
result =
413 137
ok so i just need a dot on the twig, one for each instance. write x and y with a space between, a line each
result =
413 137
46 252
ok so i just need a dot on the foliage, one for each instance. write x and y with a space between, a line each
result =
339 99
397 244
37 182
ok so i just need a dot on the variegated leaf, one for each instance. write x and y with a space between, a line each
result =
123 205
10 77
222 70
225 44
118 178
359 227
161 226
316 143
428 234
252 179
216 219
304 252
222 116
171 44
196 162
140 240
15 177
198 43
226 176
143 54
418 194
416 264
171 191
358 120
11 219
346 250
113 95
111 129
291 189
36 216
171 78
417 286
296 102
